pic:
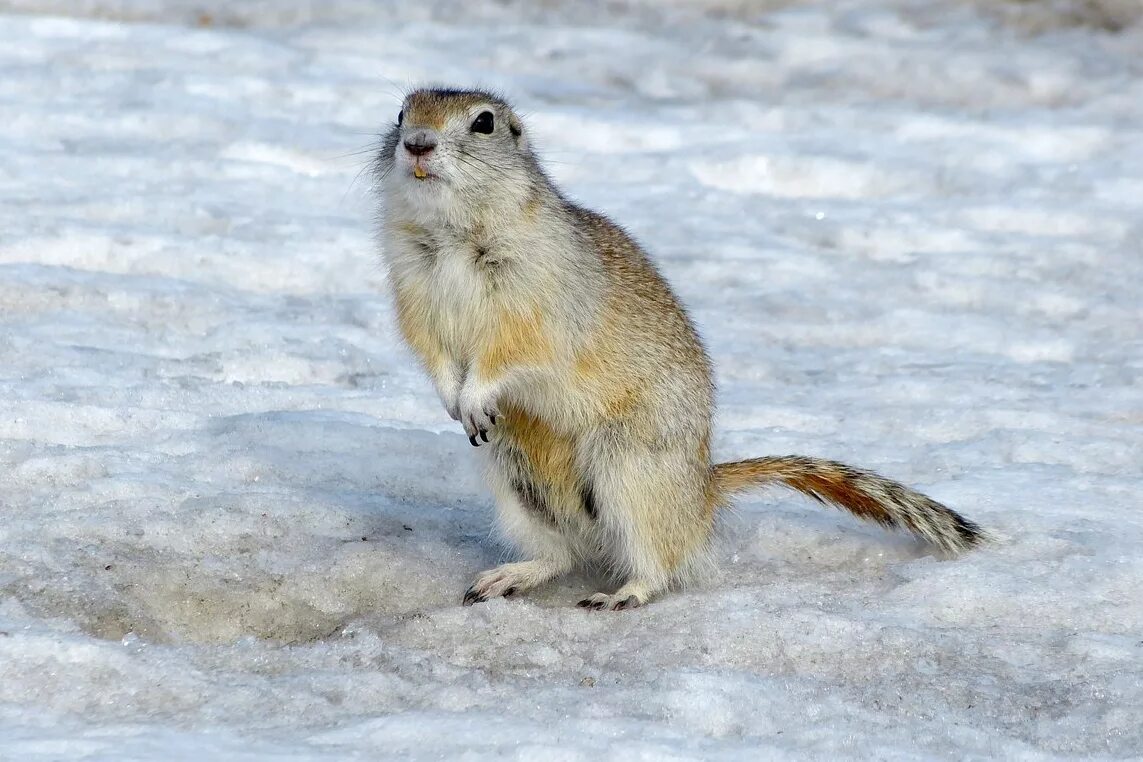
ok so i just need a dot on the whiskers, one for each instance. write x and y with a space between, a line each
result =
380 163
477 166
371 151
469 167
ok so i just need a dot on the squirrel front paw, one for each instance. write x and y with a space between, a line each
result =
478 414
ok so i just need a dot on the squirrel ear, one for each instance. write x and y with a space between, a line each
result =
515 127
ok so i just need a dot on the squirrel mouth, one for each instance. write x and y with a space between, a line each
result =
422 174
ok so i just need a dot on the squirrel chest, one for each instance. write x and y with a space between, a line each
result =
459 299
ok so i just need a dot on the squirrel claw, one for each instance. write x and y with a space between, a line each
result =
602 601
478 413
471 597
630 602
588 603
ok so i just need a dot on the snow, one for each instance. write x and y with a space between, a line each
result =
237 525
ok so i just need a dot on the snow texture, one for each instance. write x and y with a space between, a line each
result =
237 525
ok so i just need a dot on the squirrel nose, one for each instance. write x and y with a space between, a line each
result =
420 143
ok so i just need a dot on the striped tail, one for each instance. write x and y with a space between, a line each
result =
862 493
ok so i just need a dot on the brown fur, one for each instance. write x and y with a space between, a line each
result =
550 457
862 493
518 339
599 376
433 108
417 327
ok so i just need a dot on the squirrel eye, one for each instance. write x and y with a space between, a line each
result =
483 123
400 116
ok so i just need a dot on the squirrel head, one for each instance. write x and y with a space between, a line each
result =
454 155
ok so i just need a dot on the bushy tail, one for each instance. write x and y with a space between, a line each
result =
862 493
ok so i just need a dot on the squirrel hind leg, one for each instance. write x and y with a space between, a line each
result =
653 512
526 521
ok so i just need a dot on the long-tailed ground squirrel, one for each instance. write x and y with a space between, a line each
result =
551 337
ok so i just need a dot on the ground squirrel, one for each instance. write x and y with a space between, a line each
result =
551 337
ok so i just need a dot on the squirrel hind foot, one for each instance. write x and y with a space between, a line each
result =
606 602
509 579
630 596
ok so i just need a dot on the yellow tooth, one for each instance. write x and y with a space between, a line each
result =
419 173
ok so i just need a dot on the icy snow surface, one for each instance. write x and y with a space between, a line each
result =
237 525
